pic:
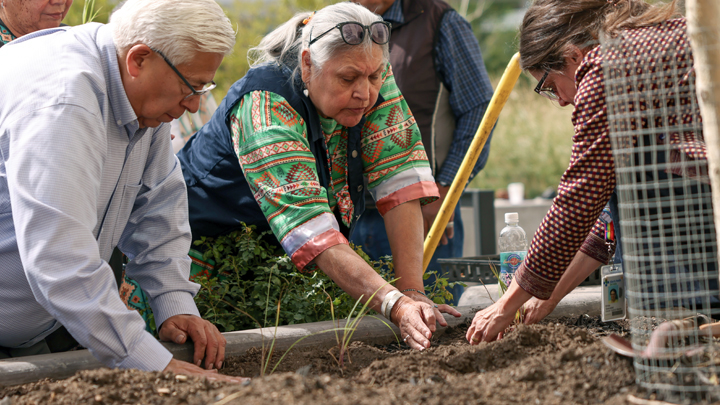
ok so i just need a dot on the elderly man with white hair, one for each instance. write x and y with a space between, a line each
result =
86 165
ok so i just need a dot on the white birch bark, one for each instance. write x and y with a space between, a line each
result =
703 17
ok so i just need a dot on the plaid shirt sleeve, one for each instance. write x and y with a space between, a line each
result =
585 188
460 65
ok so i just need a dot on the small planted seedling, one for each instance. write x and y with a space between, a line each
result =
520 314
351 325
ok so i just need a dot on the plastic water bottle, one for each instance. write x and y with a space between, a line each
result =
512 244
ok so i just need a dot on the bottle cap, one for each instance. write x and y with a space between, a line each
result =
511 217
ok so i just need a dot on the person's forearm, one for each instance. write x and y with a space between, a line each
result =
350 272
513 299
579 269
404 228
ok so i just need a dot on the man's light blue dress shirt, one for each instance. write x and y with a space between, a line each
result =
77 178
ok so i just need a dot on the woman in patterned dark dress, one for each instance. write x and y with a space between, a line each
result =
21 17
293 145
559 47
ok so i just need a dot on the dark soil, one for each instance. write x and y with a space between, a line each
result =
553 363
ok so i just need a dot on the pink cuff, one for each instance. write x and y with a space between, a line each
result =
412 192
312 248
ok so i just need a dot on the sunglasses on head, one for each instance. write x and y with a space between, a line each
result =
546 92
353 33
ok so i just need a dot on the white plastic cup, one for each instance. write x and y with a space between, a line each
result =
516 193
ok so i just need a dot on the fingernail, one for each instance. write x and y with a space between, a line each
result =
198 363
218 365
179 339
428 335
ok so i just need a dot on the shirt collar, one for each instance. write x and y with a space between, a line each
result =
5 34
119 103
394 14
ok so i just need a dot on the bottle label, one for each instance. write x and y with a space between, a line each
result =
509 263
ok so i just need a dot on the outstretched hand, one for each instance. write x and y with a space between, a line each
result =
439 309
209 342
536 310
185 368
416 321
489 324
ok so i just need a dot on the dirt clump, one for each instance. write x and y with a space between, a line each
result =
538 364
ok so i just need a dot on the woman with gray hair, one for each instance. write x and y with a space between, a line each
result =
21 17
293 145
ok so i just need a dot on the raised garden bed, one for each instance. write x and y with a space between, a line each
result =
560 362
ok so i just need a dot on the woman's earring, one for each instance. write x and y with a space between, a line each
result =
305 90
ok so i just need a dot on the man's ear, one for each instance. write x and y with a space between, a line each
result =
306 66
136 59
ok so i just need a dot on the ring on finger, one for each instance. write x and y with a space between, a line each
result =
406 338
475 340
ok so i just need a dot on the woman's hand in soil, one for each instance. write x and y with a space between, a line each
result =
209 342
439 309
416 321
491 322
536 310
185 368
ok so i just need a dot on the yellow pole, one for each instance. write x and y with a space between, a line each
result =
507 82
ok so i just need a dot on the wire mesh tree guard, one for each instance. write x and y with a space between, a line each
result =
669 244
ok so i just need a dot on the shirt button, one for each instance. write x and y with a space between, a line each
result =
119 122
360 188
354 153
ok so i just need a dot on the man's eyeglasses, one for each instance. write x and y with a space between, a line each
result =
546 92
353 33
193 92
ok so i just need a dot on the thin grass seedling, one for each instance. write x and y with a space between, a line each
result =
89 13
520 314
348 330
351 325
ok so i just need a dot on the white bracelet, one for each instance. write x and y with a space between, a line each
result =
389 301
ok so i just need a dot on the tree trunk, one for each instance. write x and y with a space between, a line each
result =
703 17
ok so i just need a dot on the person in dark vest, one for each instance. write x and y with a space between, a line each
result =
440 71
295 142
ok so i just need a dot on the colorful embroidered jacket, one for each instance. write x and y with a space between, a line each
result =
572 222
272 144
5 34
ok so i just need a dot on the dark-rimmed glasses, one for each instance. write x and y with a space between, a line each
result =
547 92
353 33
206 88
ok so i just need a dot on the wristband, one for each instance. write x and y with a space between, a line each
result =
389 301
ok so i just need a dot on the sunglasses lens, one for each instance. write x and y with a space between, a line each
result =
353 33
380 33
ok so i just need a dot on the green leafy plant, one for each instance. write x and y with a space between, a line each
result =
439 291
253 271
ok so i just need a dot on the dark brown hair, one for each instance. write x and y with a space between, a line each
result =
551 26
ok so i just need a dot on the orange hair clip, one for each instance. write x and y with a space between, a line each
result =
307 20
